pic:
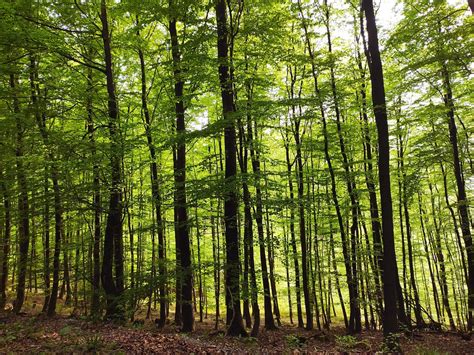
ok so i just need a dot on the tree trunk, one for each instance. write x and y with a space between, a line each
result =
461 195
427 255
417 307
249 266
232 274
390 273
96 200
286 251
113 245
23 205
369 176
46 245
269 322
271 250
180 185
289 166
355 317
6 240
67 267
155 190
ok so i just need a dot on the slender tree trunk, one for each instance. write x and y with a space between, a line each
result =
113 244
57 243
248 241
271 250
455 221
245 281
461 195
46 245
95 304
180 183
286 251
427 255
345 249
236 326
199 265
355 316
23 205
390 273
302 225
6 239
289 166
369 177
215 248
417 306
155 190
249 257
405 288
131 236
316 248
440 260
216 242
67 267
255 155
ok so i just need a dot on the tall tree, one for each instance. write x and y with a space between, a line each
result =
40 118
255 155
389 272
95 303
155 184
113 283
461 195
181 218
355 317
23 202
232 275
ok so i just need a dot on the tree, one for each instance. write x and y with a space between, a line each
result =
181 218
113 244
23 203
236 326
6 240
389 272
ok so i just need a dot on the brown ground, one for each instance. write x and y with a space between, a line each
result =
34 334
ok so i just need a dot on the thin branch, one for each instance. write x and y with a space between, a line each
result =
92 66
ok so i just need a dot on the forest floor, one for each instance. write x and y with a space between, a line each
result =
37 334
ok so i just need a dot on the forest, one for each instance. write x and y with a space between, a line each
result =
231 176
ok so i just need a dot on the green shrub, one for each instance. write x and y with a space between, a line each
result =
351 342
294 341
92 343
